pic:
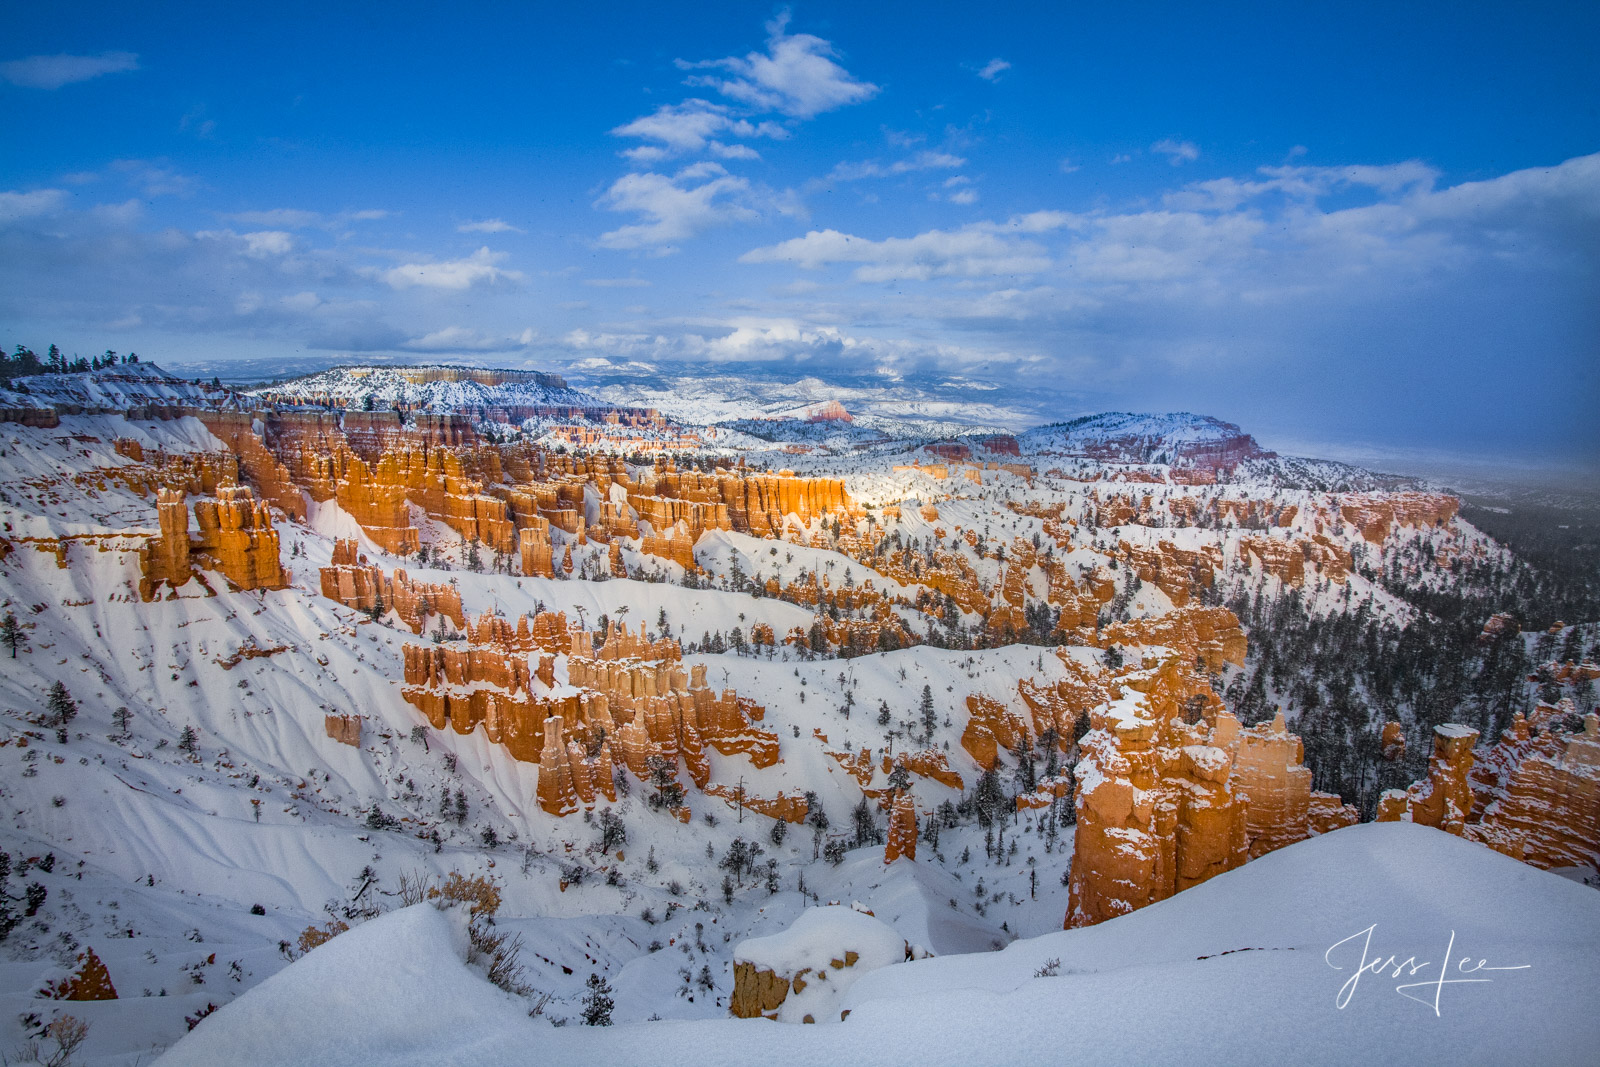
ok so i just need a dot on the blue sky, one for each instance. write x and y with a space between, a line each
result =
1330 223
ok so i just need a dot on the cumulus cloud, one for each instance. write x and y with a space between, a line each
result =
992 70
690 126
979 250
1177 152
17 206
480 268
488 226
52 72
796 76
268 243
675 207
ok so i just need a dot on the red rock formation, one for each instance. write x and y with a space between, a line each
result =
1268 769
1177 572
1392 743
1286 559
1211 635
91 981
235 537
1444 798
345 729
557 792
990 726
1498 626
1536 793
1375 516
1163 804
902 829
675 546
926 763
534 547
355 583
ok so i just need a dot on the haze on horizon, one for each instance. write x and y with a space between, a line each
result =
1338 225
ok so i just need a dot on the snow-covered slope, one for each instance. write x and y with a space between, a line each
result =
119 388
1260 965
438 389
1128 438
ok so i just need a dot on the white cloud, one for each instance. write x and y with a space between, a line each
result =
17 206
288 218
155 178
52 72
119 215
480 268
691 126
1067 166
973 251
993 69
963 196
488 226
1177 152
675 208
796 76
464 339
1302 183
268 243
733 151
871 168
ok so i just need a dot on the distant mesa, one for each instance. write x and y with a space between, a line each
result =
1178 439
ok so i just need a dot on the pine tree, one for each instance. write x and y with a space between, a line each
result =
461 807
62 709
12 634
930 718
866 825
122 717
189 741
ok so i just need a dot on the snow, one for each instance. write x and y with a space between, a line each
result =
388 386
1245 968
394 990
811 944
159 857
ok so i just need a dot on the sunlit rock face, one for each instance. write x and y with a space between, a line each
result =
1444 798
235 536
1164 804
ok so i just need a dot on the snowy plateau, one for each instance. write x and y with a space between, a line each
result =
432 715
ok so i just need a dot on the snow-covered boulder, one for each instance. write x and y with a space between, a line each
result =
800 975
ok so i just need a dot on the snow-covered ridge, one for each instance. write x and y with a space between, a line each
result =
1175 437
439 389
121 388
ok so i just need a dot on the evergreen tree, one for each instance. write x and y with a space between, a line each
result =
12 635
865 823
597 1003
930 718
189 741
61 709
